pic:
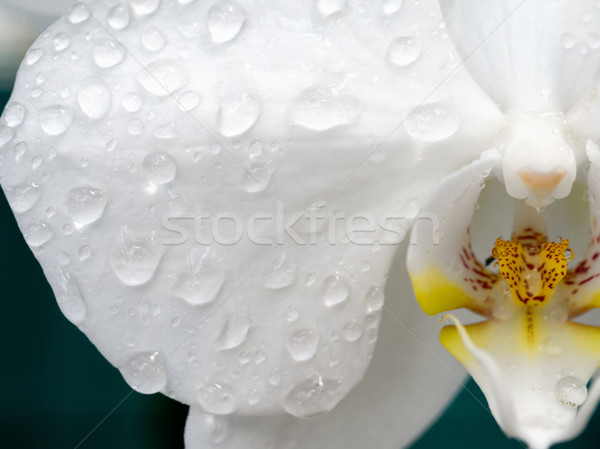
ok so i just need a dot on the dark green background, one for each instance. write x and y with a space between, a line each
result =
57 389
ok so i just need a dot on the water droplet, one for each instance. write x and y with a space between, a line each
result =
568 41
280 273
153 39
313 397
94 98
135 258
217 428
84 253
256 178
118 17
79 13
570 391
225 20
233 333
70 300
24 196
14 114
293 313
432 122
145 372
322 109
374 300
217 398
352 331
33 56
108 53
135 127
167 131
132 102
335 290
302 344
160 168
86 205
405 50
55 119
328 7
144 7
391 6
36 234
237 114
552 345
61 42
163 77
201 283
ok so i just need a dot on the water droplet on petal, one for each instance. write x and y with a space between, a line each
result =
217 428
14 114
256 178
188 100
33 56
233 333
302 344
352 331
237 114
55 119
61 42
405 50
144 7
70 300
552 345
108 53
135 258
335 290
78 13
374 299
391 6
94 98
280 273
132 102
24 196
84 253
313 397
328 7
571 391
225 20
153 39
86 205
201 283
217 398
145 372
118 17
432 122
36 234
163 77
160 168
322 109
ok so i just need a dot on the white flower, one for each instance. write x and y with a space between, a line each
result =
216 192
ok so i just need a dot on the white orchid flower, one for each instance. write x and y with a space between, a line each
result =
216 192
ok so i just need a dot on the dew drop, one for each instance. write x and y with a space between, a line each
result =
405 50
144 7
14 114
432 122
94 98
6 135
70 300
302 344
153 40
36 234
61 42
33 56
233 333
84 253
328 7
322 109
132 102
216 398
552 345
118 17
145 372
55 119
79 13
108 53
24 196
160 168
135 258
374 300
256 177
352 331
391 6
568 41
217 428
237 114
225 20
280 273
200 284
86 205
163 77
335 290
313 397
570 391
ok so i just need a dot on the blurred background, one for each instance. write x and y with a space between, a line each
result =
59 392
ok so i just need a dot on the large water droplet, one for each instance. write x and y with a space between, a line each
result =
302 344
217 398
14 114
78 13
391 6
256 177
432 122
108 53
233 333
225 20
70 300
328 7
570 391
405 50
201 283
94 98
163 77
135 258
144 7
55 119
145 372
33 56
279 274
335 290
153 39
36 234
322 109
118 17
86 205
237 114
24 196
313 397
160 168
